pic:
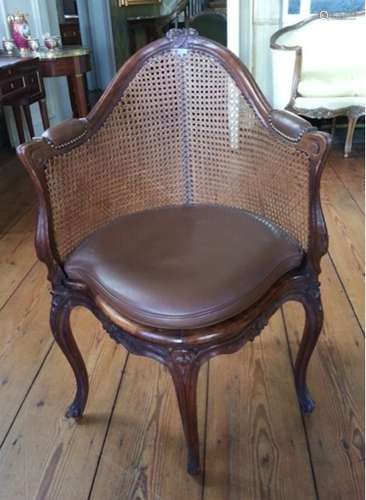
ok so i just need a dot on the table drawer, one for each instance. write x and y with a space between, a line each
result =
32 82
20 82
12 86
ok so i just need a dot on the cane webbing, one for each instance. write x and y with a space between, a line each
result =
181 133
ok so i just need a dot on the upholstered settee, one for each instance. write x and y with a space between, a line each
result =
319 70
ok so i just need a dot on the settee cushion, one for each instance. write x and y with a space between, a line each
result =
333 84
331 103
184 266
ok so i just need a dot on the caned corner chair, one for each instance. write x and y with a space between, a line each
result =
183 211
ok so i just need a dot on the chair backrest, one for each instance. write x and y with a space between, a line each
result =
182 123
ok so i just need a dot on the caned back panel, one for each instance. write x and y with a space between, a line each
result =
181 133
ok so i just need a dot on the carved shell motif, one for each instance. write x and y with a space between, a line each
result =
183 357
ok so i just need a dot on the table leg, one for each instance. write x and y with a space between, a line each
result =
78 95
334 124
28 119
19 123
72 96
44 114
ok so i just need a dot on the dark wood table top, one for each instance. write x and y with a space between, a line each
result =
68 61
43 54
58 62
10 60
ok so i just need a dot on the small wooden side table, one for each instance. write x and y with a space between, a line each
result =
20 86
73 63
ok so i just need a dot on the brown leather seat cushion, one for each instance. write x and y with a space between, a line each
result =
184 267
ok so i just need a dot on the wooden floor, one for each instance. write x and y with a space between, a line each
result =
129 445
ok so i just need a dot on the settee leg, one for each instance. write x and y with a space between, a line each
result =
352 120
184 372
313 325
334 124
61 329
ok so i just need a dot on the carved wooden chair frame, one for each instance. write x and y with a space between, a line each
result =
182 352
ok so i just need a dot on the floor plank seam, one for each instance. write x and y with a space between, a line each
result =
346 293
205 434
108 426
308 448
27 393
19 177
15 221
19 285
346 188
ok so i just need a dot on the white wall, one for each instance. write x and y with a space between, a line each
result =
240 29
250 26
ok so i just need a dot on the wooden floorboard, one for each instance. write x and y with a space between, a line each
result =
335 429
11 170
254 442
145 455
58 460
351 172
24 342
345 224
256 445
16 192
17 255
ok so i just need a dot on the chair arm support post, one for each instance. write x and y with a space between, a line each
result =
34 156
316 145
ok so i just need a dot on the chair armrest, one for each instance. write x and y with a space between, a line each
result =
289 125
66 133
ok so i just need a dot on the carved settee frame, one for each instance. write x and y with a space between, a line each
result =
353 113
182 351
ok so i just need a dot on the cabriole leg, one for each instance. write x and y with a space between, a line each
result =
334 124
184 372
17 111
44 114
352 120
28 119
61 329
313 325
